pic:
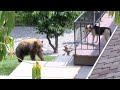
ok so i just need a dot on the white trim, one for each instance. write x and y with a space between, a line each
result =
79 16
101 53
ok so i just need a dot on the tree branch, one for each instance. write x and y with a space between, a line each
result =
47 36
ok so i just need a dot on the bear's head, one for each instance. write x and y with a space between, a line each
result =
38 44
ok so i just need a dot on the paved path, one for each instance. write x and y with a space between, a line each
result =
54 70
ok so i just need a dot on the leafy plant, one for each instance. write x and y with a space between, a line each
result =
36 71
7 22
117 16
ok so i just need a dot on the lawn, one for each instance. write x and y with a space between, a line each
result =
8 65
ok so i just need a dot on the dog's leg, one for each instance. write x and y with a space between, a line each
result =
93 34
93 39
85 35
96 39
107 35
85 39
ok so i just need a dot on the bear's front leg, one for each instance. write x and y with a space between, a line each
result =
32 55
20 58
40 55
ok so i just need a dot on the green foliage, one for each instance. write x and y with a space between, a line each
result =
19 18
7 21
111 13
55 22
36 71
25 18
117 16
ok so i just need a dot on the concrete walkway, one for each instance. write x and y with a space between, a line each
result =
50 70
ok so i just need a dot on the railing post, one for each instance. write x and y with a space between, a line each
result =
94 19
99 38
74 39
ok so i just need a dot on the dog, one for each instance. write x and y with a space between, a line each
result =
66 49
95 32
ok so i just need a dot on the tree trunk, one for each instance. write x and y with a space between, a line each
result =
55 48
56 44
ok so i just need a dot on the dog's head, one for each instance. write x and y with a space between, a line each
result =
88 28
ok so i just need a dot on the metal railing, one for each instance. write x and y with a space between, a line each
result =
86 17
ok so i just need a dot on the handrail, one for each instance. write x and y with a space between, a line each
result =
90 22
79 16
85 21
100 16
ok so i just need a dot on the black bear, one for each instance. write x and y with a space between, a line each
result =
32 47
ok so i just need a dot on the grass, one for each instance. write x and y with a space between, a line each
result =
8 65
47 58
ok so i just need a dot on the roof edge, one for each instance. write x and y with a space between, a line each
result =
101 54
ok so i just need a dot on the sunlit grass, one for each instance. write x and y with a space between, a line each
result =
8 65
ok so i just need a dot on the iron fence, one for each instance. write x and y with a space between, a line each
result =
81 37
